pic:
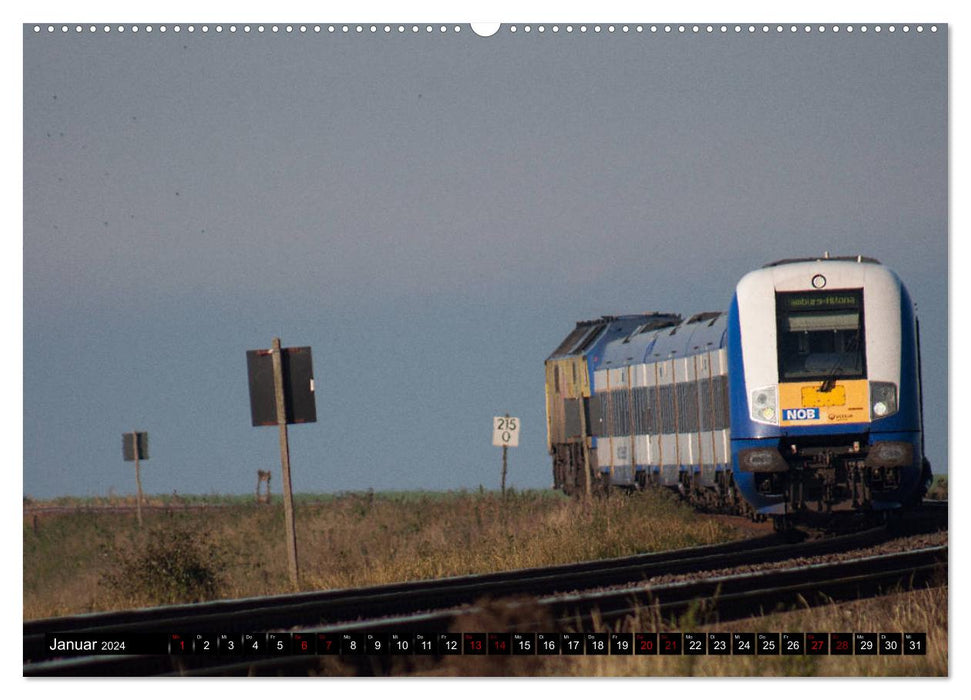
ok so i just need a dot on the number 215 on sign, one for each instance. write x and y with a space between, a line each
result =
505 431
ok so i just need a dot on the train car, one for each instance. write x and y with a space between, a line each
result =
661 414
805 395
825 385
569 382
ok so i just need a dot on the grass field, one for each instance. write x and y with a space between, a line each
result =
89 558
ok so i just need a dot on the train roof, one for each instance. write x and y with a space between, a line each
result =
701 332
825 256
800 274
587 335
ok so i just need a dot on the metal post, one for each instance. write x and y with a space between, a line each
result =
281 419
505 450
138 476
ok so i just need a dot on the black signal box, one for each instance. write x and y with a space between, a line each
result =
129 444
298 386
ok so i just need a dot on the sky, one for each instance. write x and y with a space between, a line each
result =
431 212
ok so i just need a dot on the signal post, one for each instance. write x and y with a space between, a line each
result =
505 434
281 384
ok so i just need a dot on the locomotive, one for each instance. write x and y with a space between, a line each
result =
805 396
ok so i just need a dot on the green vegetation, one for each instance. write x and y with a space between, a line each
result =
168 564
89 558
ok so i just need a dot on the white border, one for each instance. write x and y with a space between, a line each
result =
508 11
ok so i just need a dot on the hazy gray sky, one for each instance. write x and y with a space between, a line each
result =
431 212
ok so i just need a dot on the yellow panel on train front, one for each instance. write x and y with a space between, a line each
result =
804 403
812 396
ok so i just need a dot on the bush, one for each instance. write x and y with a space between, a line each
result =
171 565
938 489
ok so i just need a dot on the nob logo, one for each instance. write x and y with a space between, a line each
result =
800 414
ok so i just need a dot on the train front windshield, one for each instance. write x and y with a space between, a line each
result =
821 335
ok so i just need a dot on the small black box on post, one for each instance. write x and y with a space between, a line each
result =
298 386
128 445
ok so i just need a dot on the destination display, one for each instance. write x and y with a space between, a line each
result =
821 301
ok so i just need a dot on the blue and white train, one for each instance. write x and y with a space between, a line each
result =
806 395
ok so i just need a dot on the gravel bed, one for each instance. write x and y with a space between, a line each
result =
901 544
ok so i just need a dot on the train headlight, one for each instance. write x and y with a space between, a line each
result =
763 405
883 399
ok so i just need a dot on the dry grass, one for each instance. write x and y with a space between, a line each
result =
938 488
350 541
917 611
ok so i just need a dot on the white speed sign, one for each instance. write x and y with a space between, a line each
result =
505 431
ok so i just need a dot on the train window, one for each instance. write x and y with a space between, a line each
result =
655 324
571 340
835 321
588 340
821 335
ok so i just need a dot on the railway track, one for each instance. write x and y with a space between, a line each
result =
421 604
722 599
122 508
